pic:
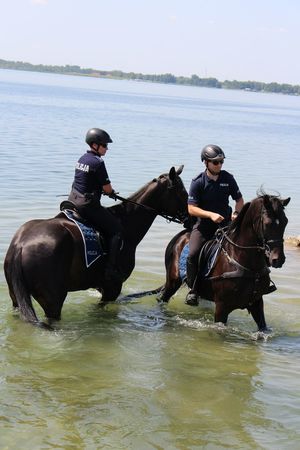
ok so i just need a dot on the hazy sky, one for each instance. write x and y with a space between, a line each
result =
227 39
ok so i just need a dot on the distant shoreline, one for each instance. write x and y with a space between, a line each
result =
167 78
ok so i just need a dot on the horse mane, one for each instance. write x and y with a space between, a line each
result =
140 191
137 194
261 193
235 225
121 207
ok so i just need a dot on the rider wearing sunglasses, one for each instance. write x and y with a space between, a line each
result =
90 180
208 203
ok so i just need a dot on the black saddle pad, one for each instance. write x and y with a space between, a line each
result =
93 248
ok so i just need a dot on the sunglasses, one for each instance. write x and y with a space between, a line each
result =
103 145
216 163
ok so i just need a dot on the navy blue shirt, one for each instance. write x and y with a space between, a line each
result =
212 195
90 174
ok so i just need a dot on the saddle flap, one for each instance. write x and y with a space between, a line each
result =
208 256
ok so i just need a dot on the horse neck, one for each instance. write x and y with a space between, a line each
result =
137 220
247 235
248 231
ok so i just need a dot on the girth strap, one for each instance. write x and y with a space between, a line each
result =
240 271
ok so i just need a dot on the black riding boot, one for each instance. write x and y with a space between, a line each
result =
191 274
112 271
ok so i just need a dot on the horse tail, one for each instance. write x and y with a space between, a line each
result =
17 285
140 294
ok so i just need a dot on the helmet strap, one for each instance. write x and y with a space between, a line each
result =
95 147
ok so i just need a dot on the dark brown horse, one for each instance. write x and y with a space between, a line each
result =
45 259
240 274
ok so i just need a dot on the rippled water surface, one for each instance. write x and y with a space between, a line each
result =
138 375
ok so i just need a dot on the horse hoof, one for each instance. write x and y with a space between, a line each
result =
191 299
266 330
161 299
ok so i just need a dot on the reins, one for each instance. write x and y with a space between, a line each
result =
149 208
265 242
241 270
244 247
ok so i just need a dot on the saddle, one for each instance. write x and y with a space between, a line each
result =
207 258
67 205
94 243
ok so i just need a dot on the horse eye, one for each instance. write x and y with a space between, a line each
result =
277 221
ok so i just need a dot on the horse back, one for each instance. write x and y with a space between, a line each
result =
45 246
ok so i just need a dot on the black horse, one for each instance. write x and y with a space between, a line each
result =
240 274
46 260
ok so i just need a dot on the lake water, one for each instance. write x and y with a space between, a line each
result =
138 375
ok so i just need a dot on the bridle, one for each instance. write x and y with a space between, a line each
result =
240 270
266 243
177 218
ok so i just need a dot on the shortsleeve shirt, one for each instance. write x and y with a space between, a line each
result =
212 195
90 174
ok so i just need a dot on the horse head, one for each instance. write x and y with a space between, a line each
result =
273 223
172 198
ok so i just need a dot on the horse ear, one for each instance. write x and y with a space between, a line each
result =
172 174
180 169
286 201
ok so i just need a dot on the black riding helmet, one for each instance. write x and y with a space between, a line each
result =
97 136
212 153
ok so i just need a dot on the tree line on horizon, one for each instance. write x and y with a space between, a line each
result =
168 78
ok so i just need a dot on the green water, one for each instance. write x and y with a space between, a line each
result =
138 375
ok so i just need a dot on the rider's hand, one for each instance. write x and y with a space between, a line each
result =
234 215
216 218
113 195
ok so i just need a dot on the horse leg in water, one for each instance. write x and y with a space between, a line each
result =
173 278
110 292
173 282
168 290
257 312
50 291
221 312
52 302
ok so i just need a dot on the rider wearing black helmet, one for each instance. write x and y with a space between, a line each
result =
212 153
90 180
208 202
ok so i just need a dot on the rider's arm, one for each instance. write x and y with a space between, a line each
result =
238 206
204 214
108 190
